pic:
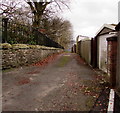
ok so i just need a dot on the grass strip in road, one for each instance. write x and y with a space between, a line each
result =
63 61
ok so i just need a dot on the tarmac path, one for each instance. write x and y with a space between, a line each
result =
54 87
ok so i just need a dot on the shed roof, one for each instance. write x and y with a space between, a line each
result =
108 26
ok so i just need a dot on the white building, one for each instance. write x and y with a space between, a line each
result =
104 32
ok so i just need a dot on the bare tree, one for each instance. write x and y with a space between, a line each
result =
8 8
16 11
39 13
38 8
58 29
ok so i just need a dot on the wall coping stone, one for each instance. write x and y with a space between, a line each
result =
5 46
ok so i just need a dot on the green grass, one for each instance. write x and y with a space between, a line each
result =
63 61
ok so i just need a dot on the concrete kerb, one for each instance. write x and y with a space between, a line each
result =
111 101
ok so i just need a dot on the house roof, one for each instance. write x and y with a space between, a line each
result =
81 37
108 26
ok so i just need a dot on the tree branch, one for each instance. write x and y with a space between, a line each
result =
58 4
31 6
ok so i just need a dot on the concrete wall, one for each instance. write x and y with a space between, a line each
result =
102 52
14 57
85 51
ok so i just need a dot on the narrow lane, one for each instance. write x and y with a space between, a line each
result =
59 86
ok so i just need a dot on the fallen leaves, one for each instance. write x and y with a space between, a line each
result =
33 72
79 60
23 80
46 60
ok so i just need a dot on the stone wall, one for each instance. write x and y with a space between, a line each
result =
18 55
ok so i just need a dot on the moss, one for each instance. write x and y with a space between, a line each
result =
63 61
25 46
44 47
8 69
32 46
20 46
40 47
90 102
5 46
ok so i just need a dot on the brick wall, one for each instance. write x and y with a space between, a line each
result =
112 59
118 65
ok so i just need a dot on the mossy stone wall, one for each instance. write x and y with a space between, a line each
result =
15 56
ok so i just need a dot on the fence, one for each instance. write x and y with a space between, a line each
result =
17 33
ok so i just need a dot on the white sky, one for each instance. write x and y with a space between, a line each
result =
87 16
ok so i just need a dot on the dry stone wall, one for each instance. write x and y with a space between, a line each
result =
18 55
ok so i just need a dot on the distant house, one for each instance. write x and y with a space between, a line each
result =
101 45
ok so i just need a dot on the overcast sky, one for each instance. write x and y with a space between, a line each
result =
87 16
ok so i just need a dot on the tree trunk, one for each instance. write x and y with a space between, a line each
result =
37 20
